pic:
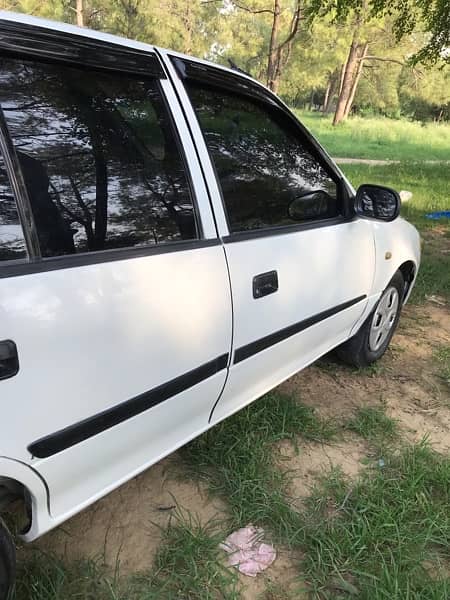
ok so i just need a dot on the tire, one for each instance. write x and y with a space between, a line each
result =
374 336
7 563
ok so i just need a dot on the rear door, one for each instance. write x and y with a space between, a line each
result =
121 314
301 267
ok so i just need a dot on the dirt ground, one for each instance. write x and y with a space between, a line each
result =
126 525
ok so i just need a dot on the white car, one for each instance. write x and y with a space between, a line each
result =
173 244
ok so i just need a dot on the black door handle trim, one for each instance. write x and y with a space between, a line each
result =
265 284
9 359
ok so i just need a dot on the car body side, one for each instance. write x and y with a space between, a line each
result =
395 246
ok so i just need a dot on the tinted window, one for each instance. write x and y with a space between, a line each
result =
268 176
12 244
99 158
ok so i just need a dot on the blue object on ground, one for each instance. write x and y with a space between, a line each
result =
442 214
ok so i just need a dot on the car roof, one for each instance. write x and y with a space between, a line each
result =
112 39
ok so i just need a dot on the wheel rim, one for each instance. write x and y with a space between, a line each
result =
384 318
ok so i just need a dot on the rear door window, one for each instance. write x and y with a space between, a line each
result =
99 156
12 243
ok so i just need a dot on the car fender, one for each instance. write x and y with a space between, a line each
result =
397 246
397 243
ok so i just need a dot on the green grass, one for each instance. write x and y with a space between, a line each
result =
189 564
46 577
237 460
380 138
387 536
442 355
384 536
430 187
372 423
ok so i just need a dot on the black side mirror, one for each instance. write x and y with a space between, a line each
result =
377 202
312 205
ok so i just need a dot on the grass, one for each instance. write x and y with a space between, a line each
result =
380 138
429 185
237 460
372 423
188 565
386 536
46 577
442 355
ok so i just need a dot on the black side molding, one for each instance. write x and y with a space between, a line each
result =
74 434
278 336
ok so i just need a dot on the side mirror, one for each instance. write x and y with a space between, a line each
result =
377 202
312 205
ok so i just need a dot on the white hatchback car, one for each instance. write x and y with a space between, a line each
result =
173 244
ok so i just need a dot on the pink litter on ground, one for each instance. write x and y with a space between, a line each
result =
247 552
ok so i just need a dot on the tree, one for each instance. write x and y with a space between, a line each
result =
431 15
284 18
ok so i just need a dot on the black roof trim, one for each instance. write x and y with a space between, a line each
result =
191 69
19 39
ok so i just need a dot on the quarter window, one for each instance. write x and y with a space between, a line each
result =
269 177
12 243
99 158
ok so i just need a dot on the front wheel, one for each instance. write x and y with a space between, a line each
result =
7 562
372 340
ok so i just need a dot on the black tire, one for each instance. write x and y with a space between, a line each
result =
7 563
357 351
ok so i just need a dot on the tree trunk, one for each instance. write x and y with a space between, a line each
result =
362 51
327 95
272 83
331 90
347 82
80 13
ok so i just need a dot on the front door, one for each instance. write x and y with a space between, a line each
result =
301 268
121 316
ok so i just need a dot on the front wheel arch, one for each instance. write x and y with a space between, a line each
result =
356 351
408 269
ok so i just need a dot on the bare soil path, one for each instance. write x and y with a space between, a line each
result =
382 162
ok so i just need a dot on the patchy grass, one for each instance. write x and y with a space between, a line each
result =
188 564
442 355
46 577
372 423
429 185
386 536
380 138
236 458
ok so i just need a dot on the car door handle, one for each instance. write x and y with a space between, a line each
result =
9 359
265 284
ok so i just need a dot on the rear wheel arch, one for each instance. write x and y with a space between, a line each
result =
15 494
22 483
7 562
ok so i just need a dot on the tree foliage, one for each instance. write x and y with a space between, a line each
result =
429 16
